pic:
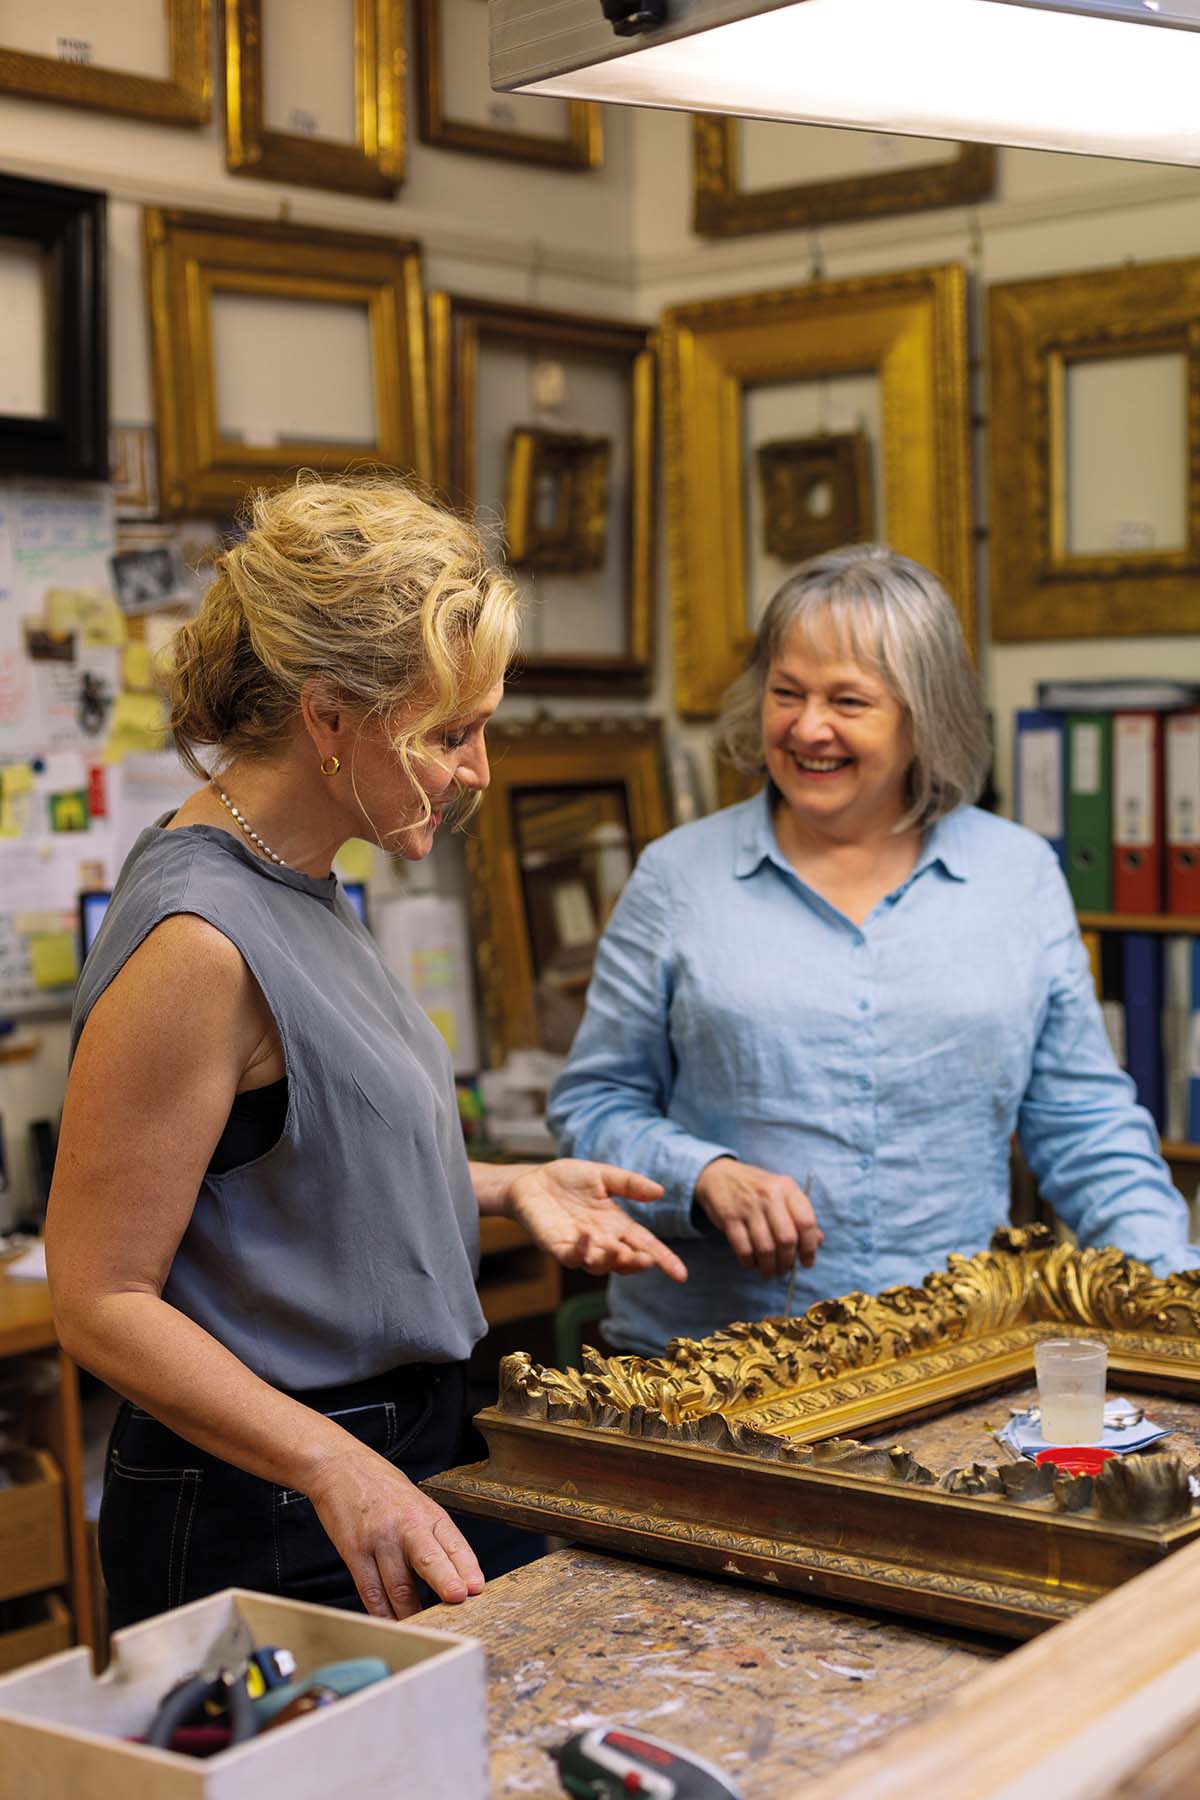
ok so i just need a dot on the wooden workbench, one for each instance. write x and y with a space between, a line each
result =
27 1326
775 1690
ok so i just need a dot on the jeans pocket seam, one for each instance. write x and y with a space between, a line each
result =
138 1472
177 1574
400 1444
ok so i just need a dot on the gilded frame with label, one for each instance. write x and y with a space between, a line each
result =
374 163
909 329
191 258
1037 330
580 147
567 763
184 97
733 1454
722 208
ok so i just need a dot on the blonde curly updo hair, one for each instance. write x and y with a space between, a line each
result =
358 583
891 614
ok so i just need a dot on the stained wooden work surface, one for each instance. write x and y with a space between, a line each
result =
775 1690
960 1437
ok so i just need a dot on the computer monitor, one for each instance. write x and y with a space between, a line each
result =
94 901
356 894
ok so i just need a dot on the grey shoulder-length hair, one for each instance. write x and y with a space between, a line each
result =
891 615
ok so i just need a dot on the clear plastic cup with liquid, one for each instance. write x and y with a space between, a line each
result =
1070 1382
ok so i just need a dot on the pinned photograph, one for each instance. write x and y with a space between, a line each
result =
150 578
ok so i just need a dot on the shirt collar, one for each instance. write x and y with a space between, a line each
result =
756 842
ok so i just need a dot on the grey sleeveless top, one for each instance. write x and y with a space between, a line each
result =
352 1245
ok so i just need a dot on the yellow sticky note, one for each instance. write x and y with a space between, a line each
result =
16 784
52 957
17 778
443 1018
354 861
139 722
137 670
60 608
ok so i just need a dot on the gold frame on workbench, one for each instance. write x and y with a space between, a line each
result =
731 1454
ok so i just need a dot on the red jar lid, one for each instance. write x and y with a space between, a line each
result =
1076 1459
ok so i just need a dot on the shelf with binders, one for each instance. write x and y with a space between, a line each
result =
1155 957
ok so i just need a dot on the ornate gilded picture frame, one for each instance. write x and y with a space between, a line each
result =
485 356
1041 334
723 208
183 97
733 1454
367 286
61 427
556 512
374 162
579 146
570 807
907 329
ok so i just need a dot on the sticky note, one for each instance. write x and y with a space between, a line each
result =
52 958
354 861
17 778
137 669
139 722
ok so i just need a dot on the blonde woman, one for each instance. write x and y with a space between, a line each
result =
263 1230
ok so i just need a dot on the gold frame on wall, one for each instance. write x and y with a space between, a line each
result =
458 329
723 209
545 753
182 98
910 330
730 1454
581 148
1037 329
374 163
190 257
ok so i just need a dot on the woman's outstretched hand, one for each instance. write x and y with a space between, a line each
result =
567 1207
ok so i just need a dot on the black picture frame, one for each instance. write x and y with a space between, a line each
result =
69 224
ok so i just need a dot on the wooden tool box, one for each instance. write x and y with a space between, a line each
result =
422 1731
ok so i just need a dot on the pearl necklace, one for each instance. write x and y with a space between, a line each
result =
248 828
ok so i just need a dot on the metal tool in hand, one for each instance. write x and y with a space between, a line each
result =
787 1305
221 1677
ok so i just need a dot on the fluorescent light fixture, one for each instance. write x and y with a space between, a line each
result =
1106 77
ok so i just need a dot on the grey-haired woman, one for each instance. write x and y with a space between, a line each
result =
817 1018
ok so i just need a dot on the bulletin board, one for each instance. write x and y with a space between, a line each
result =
82 728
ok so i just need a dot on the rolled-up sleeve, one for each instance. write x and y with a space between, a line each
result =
611 1103
1093 1149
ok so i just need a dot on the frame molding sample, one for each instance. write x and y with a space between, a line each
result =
182 98
909 330
571 755
459 327
374 163
731 1453
581 148
69 226
722 209
192 257
1037 330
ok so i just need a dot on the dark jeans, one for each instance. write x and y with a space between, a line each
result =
176 1523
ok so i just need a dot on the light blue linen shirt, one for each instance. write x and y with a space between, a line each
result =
734 1012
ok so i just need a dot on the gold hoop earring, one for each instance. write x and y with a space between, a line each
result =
334 764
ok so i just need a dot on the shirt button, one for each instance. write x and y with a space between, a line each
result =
864 1162
864 1006
864 1082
